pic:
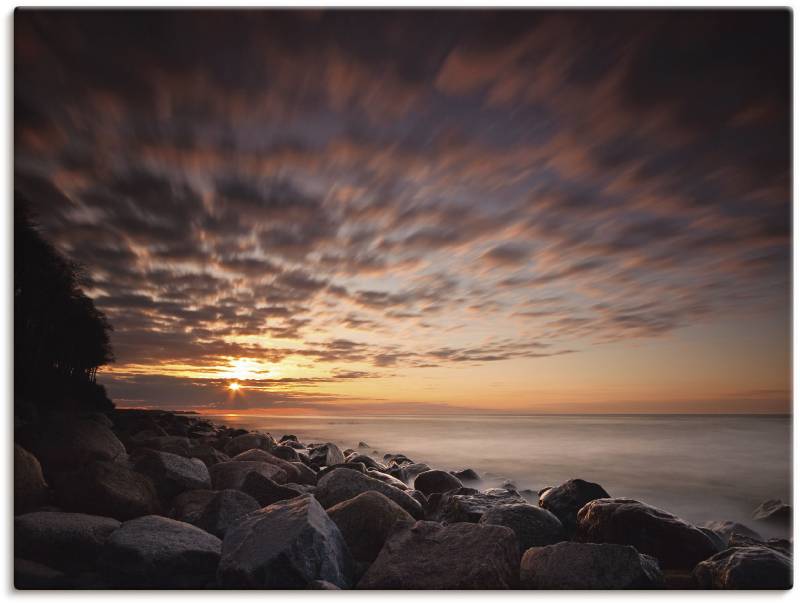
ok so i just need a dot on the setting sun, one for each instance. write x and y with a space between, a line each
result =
234 387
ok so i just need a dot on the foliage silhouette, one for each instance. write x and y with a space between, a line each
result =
60 337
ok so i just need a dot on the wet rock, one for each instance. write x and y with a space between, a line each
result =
266 491
467 504
71 444
754 567
287 453
66 541
419 497
231 475
307 475
413 470
369 462
533 526
354 466
343 484
397 459
431 482
208 454
715 538
157 552
322 585
286 545
566 500
725 529
675 543
30 489
107 489
467 475
580 566
172 474
225 509
775 512
189 506
387 479
37 576
778 544
326 455
249 441
287 438
169 443
292 472
365 522
428 555
363 445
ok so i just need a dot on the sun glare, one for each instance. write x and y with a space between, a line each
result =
234 387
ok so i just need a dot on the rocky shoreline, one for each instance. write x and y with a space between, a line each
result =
162 500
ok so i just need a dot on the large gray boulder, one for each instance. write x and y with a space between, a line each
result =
433 481
467 504
265 491
343 484
189 506
326 455
293 474
566 500
231 475
581 566
172 474
224 510
533 526
157 552
66 541
675 543
366 521
427 555
30 489
754 567
287 545
71 444
108 489
249 441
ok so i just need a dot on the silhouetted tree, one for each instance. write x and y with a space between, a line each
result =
60 337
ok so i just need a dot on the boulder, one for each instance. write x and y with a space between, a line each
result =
71 444
287 453
326 455
387 479
753 567
172 474
231 475
248 441
360 467
363 445
467 504
307 475
675 543
581 566
781 545
431 482
262 456
365 522
265 491
533 526
208 454
288 438
725 529
428 555
225 509
467 475
286 545
179 445
369 462
65 541
566 500
108 489
30 489
157 552
775 512
30 575
343 484
189 506
419 497
322 585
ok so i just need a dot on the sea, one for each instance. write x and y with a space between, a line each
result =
699 467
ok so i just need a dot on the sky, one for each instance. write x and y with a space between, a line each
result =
420 211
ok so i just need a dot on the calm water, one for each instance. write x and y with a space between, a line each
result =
698 467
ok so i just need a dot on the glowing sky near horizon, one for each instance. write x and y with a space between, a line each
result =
420 211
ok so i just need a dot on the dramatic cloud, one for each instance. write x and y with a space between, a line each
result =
338 196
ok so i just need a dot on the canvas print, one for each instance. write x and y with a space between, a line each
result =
402 299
